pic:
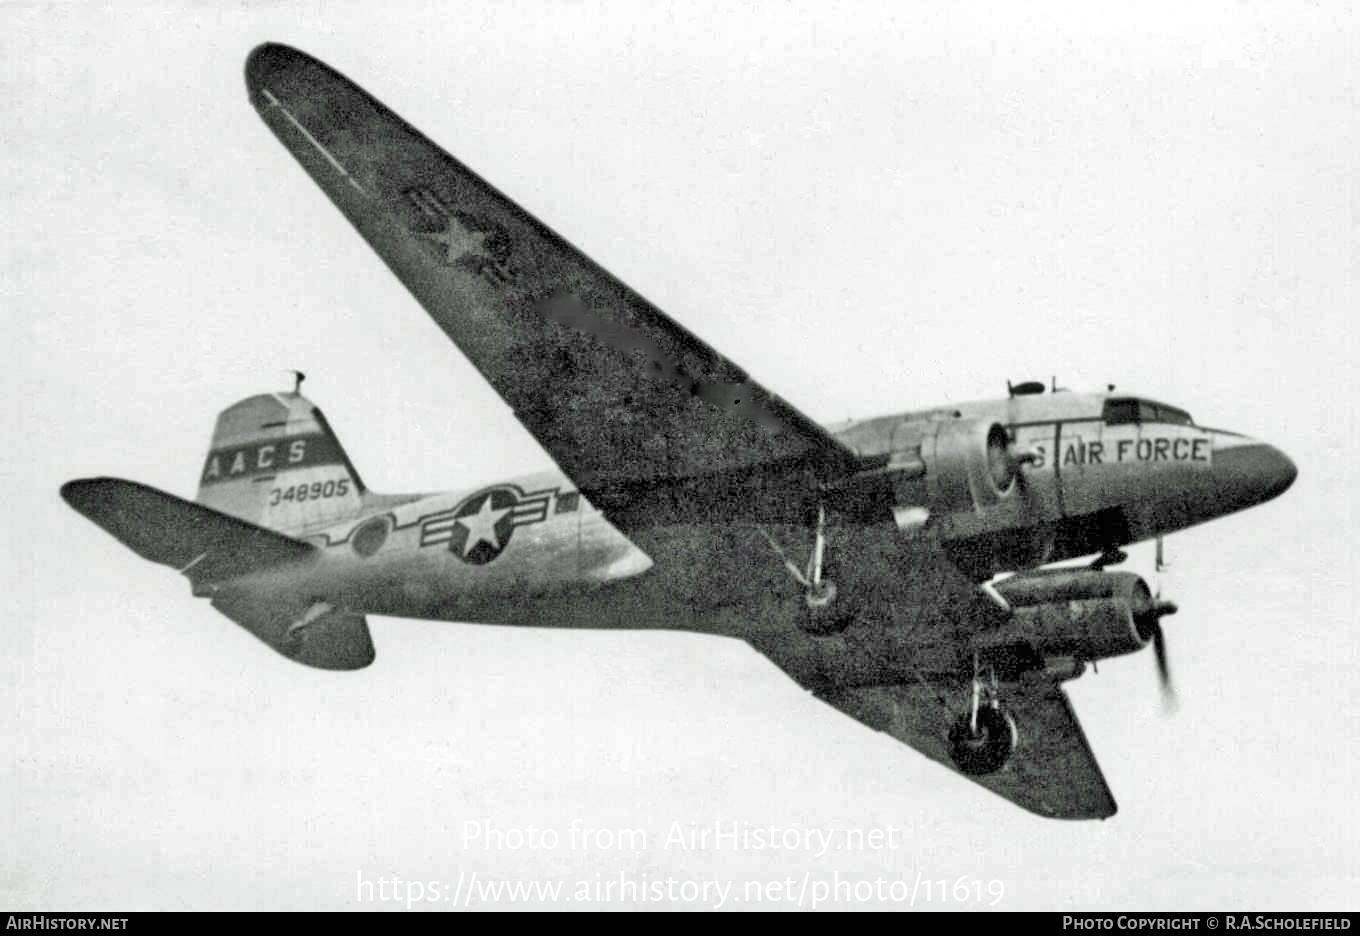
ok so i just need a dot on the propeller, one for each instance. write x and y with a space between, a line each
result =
1162 608
1169 703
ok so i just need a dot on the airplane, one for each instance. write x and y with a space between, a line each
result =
899 568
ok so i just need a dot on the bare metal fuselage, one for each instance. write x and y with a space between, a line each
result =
1090 485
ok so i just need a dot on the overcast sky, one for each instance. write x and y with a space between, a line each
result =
871 209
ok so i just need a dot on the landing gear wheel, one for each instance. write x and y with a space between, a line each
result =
987 749
821 595
822 613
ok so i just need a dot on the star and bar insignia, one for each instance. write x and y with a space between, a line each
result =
459 237
479 529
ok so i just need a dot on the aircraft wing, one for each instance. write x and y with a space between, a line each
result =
644 416
902 666
1052 771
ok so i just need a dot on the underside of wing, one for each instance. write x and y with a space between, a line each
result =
644 416
901 663
1051 770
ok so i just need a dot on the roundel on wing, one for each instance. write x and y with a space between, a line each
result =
483 525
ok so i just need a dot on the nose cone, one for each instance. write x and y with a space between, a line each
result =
1253 473
1277 470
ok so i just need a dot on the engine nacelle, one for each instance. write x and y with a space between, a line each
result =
960 464
1082 614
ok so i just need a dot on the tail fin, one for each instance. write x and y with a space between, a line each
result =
275 462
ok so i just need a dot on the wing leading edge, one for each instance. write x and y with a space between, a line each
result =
644 416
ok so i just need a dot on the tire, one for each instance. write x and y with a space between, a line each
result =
823 613
988 750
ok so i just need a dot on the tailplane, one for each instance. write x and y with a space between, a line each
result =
224 558
275 462
207 546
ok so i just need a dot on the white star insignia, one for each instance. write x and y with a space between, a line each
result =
481 526
457 240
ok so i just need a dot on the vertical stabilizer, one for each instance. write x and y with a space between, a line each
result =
275 462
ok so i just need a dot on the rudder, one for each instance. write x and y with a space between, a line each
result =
275 462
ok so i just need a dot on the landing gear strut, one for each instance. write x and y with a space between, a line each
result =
1112 555
983 738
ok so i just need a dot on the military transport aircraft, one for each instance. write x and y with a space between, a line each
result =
892 566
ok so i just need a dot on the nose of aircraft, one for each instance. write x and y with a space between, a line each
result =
1278 470
1253 473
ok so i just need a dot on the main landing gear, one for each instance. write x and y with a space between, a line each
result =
822 613
983 738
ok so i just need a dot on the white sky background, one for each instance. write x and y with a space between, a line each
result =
871 210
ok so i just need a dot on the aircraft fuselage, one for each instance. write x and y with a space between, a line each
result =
1098 474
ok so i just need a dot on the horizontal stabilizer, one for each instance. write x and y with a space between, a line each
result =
313 633
205 545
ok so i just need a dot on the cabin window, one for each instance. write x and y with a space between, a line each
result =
568 502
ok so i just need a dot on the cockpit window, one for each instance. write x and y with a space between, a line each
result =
1123 412
1120 412
1177 417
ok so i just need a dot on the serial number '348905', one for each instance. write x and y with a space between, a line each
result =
317 490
